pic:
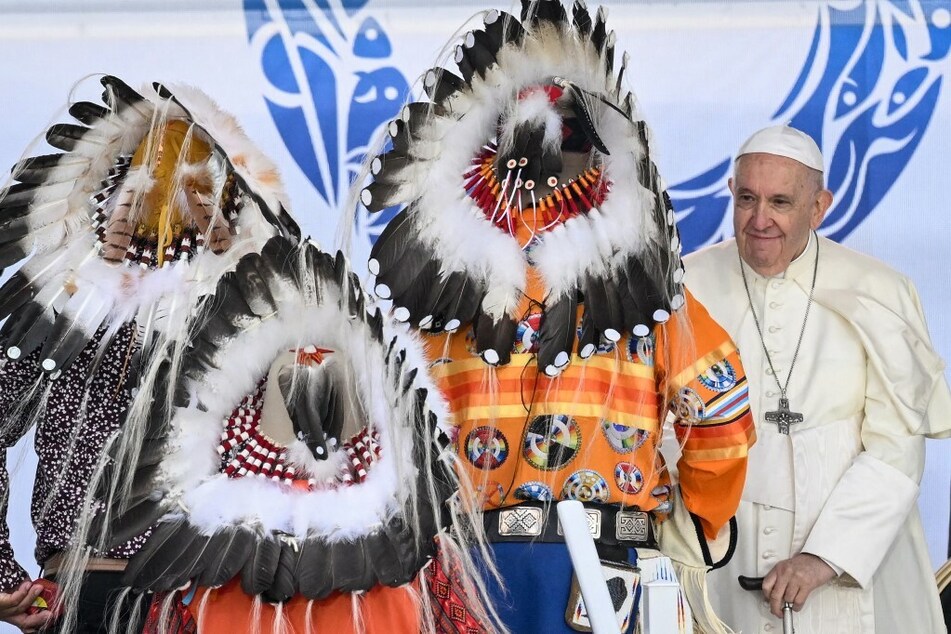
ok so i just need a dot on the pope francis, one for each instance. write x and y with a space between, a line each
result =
844 388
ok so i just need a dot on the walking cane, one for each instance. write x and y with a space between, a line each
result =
756 583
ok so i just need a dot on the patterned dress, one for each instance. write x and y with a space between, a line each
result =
75 415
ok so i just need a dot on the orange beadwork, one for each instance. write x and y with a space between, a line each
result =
508 209
310 355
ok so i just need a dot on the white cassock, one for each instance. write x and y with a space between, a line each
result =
843 484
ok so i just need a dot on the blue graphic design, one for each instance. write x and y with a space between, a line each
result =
719 377
867 91
867 121
329 87
534 491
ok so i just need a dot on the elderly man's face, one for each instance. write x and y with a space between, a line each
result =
776 203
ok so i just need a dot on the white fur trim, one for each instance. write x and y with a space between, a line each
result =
190 470
64 241
533 109
459 234
257 169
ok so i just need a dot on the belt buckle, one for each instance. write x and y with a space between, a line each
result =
632 526
520 521
593 516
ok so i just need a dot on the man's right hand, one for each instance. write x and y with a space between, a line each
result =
13 608
793 580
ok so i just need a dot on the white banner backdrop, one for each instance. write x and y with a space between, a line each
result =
312 80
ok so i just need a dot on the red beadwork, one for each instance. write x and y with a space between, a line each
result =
251 453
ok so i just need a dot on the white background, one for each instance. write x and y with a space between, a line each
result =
706 75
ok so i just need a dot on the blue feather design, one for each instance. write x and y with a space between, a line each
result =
328 86
868 123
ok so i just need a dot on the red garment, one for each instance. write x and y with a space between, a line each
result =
450 611
178 620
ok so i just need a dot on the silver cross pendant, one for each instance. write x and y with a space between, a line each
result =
783 417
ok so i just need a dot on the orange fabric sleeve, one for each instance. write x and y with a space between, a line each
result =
709 396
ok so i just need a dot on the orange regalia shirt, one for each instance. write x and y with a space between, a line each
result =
593 432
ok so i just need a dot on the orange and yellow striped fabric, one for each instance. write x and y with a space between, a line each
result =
593 432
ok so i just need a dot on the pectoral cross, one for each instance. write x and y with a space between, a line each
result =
783 417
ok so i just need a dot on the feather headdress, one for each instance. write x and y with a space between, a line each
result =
535 155
152 198
304 450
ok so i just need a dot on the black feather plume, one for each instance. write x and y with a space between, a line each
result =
611 321
284 584
556 336
122 93
452 302
305 405
254 287
36 169
404 550
381 194
225 556
464 64
180 562
440 84
599 32
17 196
550 11
389 167
375 322
314 570
480 51
383 557
258 572
644 294
503 28
65 136
494 339
69 335
88 112
406 272
589 337
581 19
409 294
166 565
400 135
388 249
164 533
131 523
26 330
351 566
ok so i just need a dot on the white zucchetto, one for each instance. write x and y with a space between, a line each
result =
783 140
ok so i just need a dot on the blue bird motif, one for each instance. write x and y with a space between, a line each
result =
867 92
328 86
875 69
381 90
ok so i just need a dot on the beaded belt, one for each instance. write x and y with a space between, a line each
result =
537 521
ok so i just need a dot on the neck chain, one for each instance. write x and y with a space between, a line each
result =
783 417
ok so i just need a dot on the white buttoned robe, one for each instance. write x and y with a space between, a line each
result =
843 484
